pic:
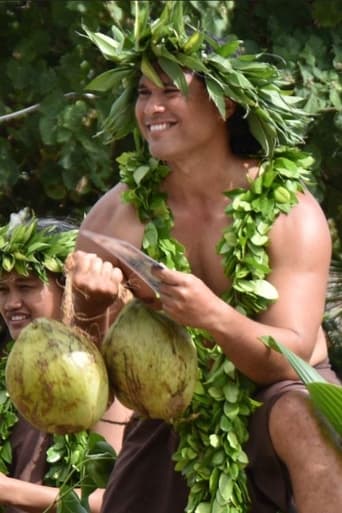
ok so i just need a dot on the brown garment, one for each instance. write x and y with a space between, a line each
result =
29 448
269 481
144 480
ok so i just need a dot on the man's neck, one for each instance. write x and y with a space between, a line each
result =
205 180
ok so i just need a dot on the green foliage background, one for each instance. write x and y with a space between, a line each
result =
52 157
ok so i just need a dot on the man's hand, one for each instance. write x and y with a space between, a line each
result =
187 299
95 282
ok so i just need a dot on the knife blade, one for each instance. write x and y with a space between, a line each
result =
135 259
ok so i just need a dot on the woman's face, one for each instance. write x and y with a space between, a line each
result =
23 299
173 124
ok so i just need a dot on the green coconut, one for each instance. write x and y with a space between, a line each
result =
56 377
151 362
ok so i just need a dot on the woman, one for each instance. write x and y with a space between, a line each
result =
28 290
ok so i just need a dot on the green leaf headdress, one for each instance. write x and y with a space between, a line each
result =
27 245
173 45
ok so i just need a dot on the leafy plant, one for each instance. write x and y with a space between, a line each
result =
97 462
49 148
326 397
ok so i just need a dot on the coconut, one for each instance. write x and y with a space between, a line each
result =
56 377
151 362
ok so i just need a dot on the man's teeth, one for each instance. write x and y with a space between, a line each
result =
159 127
18 317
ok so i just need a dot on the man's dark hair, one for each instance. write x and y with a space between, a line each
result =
242 141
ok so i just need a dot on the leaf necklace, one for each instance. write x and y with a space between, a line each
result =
213 431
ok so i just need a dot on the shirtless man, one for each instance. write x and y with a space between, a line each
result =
298 468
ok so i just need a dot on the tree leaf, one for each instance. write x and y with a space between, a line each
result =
266 290
69 502
327 397
216 94
107 45
175 72
108 80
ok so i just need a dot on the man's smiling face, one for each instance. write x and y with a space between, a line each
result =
174 124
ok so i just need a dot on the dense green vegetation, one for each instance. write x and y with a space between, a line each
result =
53 156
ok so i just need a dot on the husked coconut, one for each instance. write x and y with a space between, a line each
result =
151 362
56 377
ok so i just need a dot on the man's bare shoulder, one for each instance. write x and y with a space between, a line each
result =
303 232
306 214
108 204
112 215
110 212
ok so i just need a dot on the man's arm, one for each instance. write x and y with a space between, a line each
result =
100 284
299 251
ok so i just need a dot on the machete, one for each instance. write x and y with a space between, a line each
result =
137 261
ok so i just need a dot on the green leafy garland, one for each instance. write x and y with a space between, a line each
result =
27 248
214 429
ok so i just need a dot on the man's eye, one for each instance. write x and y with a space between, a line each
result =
143 92
26 287
171 90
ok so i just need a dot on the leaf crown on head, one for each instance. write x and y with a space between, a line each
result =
272 112
27 245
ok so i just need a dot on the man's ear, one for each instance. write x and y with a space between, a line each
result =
230 107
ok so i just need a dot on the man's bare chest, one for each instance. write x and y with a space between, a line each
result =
200 237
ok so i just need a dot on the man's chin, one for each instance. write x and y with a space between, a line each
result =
158 152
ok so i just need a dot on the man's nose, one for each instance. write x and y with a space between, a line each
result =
12 300
154 105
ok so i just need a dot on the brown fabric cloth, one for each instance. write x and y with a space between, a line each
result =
29 448
144 480
269 482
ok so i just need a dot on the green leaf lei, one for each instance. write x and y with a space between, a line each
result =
214 429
